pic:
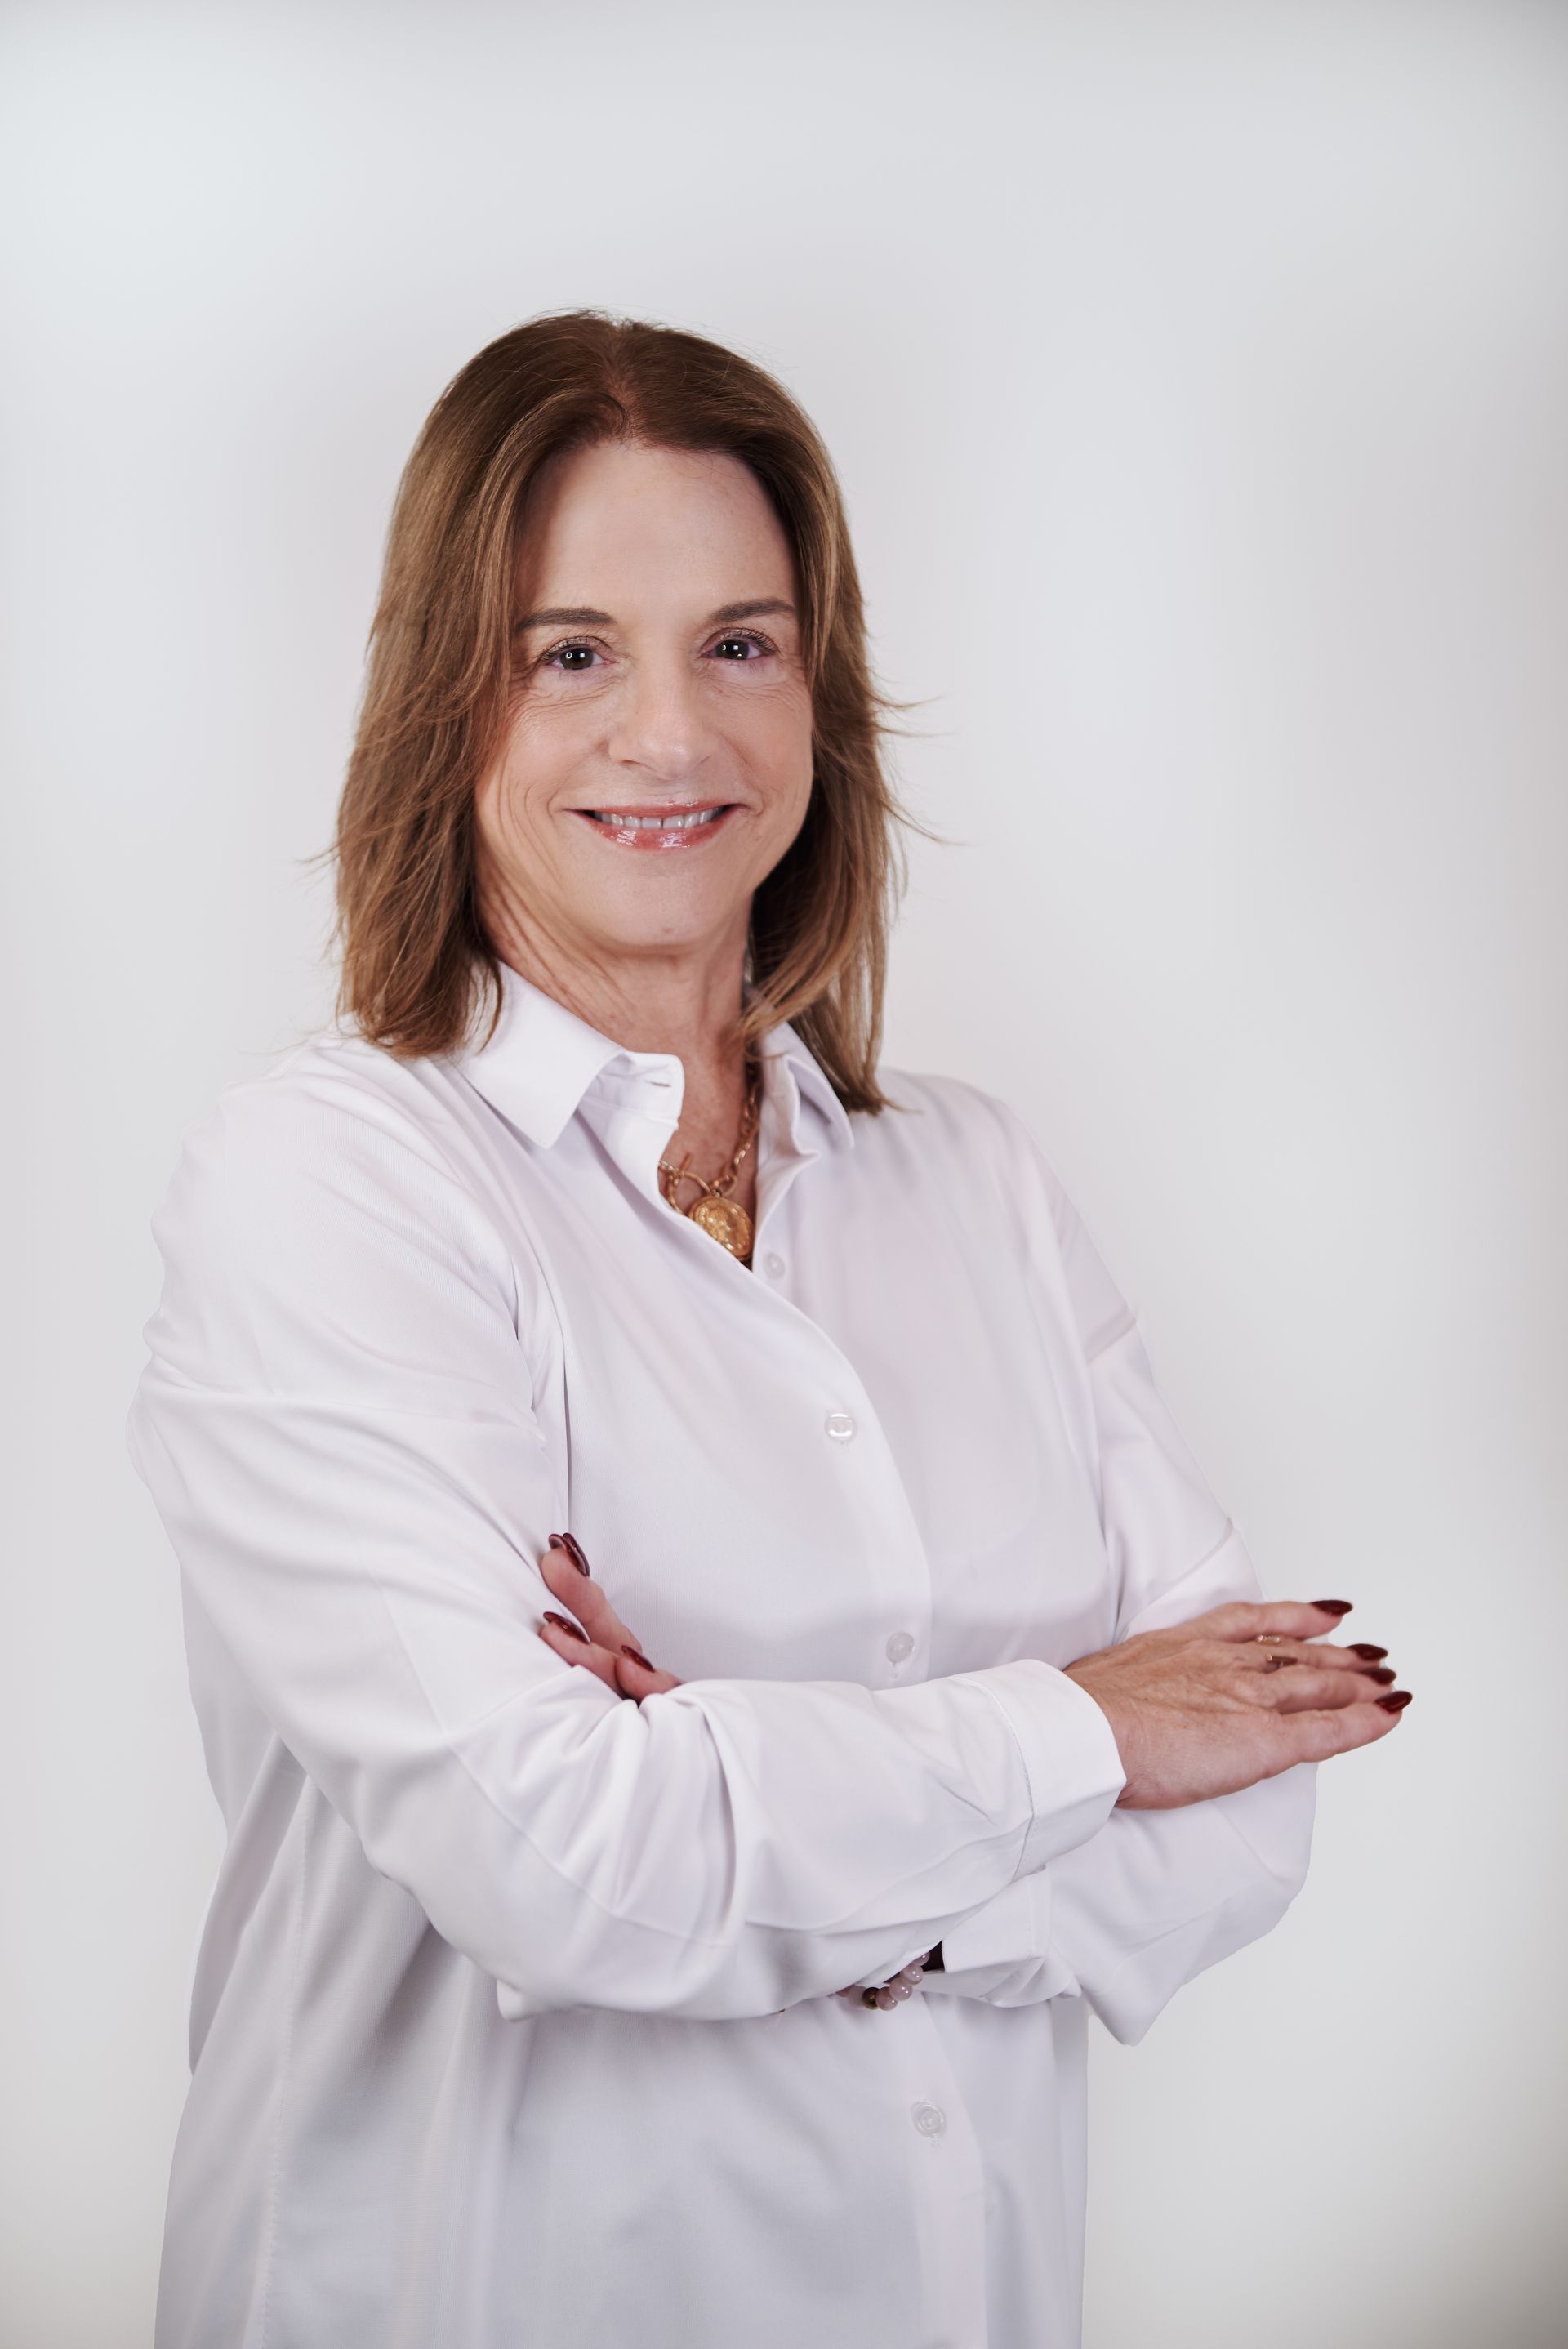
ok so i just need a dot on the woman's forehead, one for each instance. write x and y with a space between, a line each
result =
638 515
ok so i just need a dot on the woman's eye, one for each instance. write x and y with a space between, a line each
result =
576 660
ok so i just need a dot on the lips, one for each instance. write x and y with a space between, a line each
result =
659 827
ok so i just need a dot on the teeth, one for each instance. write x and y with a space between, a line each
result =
656 822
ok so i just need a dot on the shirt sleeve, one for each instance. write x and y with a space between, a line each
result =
337 1427
1153 1898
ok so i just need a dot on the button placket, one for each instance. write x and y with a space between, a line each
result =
901 1571
946 2177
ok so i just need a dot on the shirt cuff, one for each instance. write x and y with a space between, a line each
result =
1070 1755
1014 1926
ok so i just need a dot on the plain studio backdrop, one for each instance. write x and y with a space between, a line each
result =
1198 379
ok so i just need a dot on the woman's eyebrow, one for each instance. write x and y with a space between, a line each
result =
582 616
753 611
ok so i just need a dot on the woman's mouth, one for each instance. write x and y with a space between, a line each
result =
657 827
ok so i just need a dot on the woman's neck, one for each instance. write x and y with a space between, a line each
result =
686 1005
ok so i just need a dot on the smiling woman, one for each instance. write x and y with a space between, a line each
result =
659 728
719 668
694 1952
669 732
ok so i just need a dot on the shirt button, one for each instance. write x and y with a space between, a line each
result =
839 1426
929 2119
773 1266
902 1644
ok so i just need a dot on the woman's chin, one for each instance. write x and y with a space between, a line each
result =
627 922
642 902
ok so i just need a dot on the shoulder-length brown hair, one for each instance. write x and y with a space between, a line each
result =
419 969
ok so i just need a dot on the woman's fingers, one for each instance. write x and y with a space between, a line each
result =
583 1598
635 1676
1316 1736
1178 1700
592 1633
1298 1619
628 1674
1309 1689
574 1647
1279 1650
564 1577
1293 1629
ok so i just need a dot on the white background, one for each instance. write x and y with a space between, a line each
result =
1198 377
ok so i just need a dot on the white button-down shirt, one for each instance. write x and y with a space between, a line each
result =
514 2023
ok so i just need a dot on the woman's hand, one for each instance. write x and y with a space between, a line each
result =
602 1642
1202 1709
1205 1708
598 1638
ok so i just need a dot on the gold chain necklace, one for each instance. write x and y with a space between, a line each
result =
723 1219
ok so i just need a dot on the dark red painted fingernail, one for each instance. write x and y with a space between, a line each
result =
574 1548
638 1658
1395 1704
1364 1648
562 1623
1333 1605
1386 1674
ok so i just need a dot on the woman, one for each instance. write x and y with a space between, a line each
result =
916 1658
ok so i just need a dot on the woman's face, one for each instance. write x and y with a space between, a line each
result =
657 759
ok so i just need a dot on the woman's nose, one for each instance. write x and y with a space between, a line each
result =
660 724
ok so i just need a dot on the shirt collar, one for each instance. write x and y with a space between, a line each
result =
541 1060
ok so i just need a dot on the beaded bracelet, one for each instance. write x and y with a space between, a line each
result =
886 1995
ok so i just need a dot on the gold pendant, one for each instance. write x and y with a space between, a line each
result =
725 1222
